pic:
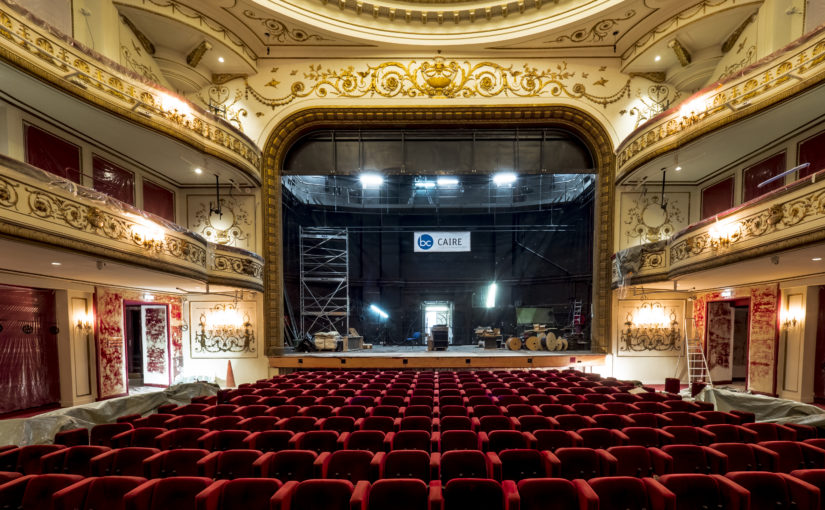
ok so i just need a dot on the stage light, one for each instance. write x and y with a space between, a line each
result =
381 313
371 180
491 295
504 178
198 171
424 184
446 182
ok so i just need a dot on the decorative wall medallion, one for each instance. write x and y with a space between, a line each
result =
234 227
210 340
440 78
657 99
221 101
645 219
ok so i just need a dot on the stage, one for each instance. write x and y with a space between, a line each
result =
417 357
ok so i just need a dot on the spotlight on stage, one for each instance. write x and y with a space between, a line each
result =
381 313
491 295
504 178
425 184
371 180
447 182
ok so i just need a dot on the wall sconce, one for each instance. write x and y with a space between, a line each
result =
722 235
84 323
148 235
649 327
224 328
792 317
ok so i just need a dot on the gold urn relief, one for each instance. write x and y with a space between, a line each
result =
439 75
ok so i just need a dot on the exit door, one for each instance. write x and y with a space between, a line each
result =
438 313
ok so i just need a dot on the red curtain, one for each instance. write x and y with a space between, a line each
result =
812 151
760 172
717 198
52 154
158 200
28 349
113 180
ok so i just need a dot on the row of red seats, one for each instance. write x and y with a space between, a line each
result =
800 490
514 462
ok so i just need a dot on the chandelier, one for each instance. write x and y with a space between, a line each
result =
650 327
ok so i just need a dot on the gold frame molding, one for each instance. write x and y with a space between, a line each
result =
577 121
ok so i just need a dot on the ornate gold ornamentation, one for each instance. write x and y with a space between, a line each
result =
733 37
220 95
81 72
682 54
440 78
230 229
649 222
223 78
795 70
133 64
241 266
279 31
748 59
194 57
595 33
141 37
657 100
655 77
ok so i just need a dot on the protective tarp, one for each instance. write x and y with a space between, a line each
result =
42 428
767 409
28 349
628 262
112 180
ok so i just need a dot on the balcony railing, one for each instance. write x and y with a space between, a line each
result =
38 206
773 79
40 50
789 217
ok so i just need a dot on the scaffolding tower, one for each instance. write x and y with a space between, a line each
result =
324 280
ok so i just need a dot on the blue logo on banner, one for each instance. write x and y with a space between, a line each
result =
425 241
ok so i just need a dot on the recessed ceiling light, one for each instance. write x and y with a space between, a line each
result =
198 171
657 58
57 264
220 59
678 168
816 259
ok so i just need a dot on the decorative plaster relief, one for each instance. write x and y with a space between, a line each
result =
202 344
645 221
234 227
664 339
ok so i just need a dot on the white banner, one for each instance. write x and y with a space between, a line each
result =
441 241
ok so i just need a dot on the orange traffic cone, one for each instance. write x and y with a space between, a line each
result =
230 376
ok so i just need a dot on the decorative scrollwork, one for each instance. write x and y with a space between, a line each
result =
439 78
278 30
595 33
245 267
211 340
8 193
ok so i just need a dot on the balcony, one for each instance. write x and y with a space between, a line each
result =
39 207
789 219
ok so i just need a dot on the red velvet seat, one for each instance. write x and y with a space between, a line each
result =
179 438
647 436
455 423
585 463
352 411
321 495
497 440
556 494
588 409
370 440
748 457
696 459
126 461
102 434
153 420
337 423
613 421
315 440
815 477
494 422
467 464
698 492
410 440
259 423
690 435
298 423
639 461
598 437
685 419
268 440
192 408
795 455
222 423
287 465
553 439
403 464
96 493
284 411
176 493
382 423
769 491
399 494
727 433
317 411
229 464
73 437
719 417
26 459
628 493
479 494
218 440
352 465
575 422
772 431
73 460
167 463
144 437
34 492
519 464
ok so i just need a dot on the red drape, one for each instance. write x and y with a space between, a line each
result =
28 349
717 198
52 154
759 173
158 200
113 180
812 151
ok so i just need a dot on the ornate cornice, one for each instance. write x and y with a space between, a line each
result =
69 66
775 79
302 122
40 207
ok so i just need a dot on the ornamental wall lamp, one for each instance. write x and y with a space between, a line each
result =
148 234
225 328
650 327
721 235
84 322
792 317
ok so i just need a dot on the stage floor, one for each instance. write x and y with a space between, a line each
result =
456 356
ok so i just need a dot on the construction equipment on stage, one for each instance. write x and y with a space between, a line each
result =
353 341
540 338
489 337
327 340
440 336
515 343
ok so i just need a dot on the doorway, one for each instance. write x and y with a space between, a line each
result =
147 344
727 334
438 313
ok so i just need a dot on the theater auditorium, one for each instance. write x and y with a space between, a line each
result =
412 254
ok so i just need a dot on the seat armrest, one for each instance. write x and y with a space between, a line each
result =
662 462
140 497
608 461
396 424
577 439
436 411
552 463
320 464
511 496
667 435
786 433
494 466
210 497
208 465
99 464
436 497
435 466
358 501
283 496
71 497
588 499
343 437
663 420
294 441
261 465
804 494
483 441
735 496
514 423
206 440
621 437
53 462
375 465
531 440
435 442
659 495
436 424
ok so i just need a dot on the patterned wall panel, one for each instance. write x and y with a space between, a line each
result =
234 227
644 220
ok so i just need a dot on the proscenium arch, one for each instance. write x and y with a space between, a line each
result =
574 120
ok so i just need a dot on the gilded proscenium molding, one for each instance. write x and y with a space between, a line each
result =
439 78
93 78
195 19
679 20
37 206
292 128
785 75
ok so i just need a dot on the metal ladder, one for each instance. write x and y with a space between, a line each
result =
697 364
577 315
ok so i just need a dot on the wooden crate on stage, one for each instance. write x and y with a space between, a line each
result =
326 341
353 341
